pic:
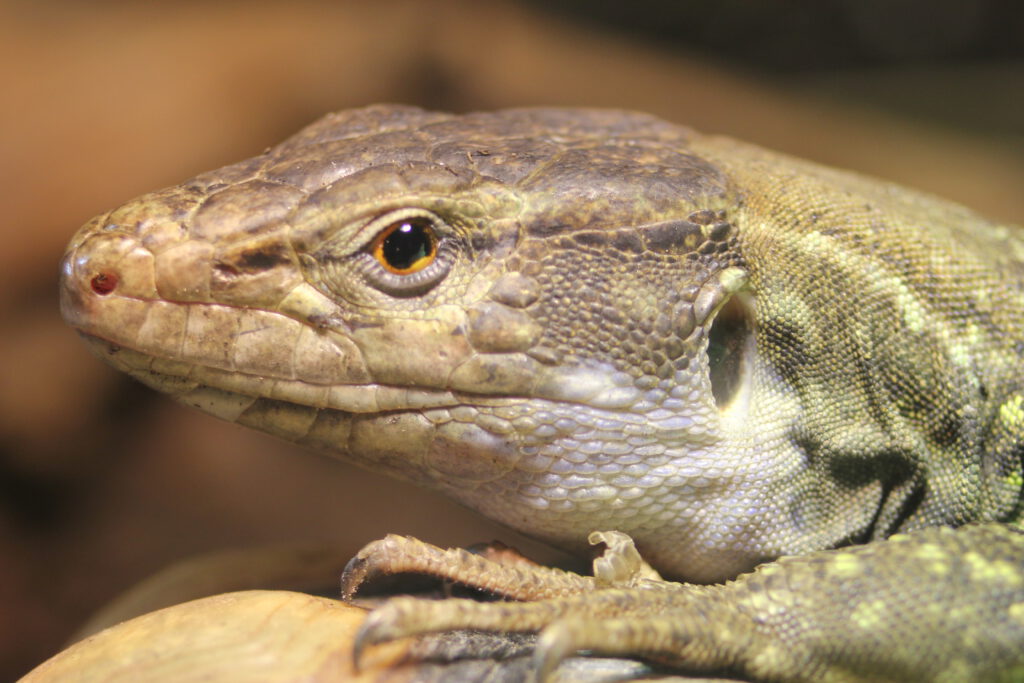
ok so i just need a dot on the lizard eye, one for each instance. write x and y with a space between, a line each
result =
406 246
411 251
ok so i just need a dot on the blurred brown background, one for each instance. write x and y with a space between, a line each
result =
103 483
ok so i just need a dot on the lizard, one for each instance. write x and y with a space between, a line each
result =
795 391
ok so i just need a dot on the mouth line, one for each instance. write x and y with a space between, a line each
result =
181 377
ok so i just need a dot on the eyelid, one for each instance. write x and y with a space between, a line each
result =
369 233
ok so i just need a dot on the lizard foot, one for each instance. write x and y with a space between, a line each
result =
504 573
867 612
628 622
603 614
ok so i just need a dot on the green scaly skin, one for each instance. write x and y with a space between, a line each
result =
728 354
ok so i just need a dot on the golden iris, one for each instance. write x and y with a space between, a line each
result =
406 246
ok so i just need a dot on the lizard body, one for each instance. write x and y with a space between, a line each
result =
574 320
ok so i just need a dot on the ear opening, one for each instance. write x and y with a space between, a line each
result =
731 350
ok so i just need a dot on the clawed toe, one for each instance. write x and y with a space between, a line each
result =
515 579
403 617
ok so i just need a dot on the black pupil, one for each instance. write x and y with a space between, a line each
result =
408 244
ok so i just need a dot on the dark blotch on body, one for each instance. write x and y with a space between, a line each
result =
784 346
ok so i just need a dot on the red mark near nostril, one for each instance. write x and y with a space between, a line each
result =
104 283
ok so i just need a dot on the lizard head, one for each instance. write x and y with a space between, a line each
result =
535 311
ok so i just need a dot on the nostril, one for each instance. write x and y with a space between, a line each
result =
104 283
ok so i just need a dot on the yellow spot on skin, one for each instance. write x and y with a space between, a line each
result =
869 616
846 566
984 570
962 346
914 316
1016 611
936 559
1011 413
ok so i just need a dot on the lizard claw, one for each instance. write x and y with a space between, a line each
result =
353 576
378 627
383 556
403 617
555 643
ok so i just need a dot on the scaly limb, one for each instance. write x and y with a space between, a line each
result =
866 612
